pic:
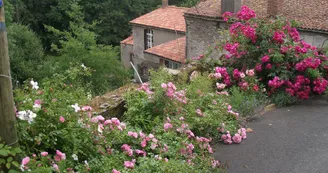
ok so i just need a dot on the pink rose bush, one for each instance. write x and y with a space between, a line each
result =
274 50
172 141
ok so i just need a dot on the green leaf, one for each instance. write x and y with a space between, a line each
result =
1 145
3 153
13 171
17 150
15 164
10 159
2 161
8 165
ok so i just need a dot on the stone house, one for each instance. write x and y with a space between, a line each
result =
169 35
158 38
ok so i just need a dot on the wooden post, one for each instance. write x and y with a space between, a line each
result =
8 131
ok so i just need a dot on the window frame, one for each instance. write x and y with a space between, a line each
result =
171 64
149 38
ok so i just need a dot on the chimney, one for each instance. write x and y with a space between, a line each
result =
165 3
275 7
230 6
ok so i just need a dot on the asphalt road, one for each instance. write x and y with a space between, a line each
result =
287 140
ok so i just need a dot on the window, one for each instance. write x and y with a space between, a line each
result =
171 64
149 38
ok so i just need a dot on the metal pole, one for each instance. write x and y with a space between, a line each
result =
134 68
8 131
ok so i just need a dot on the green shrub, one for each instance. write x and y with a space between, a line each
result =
146 110
78 45
25 52
282 99
246 103
8 156
48 123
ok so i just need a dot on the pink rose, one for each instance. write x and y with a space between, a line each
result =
133 134
55 166
237 138
167 126
115 171
25 161
60 156
164 86
100 118
61 119
224 137
44 154
128 164
37 102
250 72
143 143
268 66
265 59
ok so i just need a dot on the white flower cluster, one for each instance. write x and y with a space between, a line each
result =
26 116
76 107
35 85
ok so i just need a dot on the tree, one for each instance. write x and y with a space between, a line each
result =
184 3
78 45
114 17
36 14
25 52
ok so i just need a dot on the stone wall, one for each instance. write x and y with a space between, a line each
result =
315 38
126 51
202 34
160 36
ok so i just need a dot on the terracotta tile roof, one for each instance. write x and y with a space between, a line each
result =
311 13
128 40
174 50
170 17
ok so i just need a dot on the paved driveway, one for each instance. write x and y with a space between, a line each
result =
287 140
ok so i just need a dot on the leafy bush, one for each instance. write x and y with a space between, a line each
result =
247 103
78 45
271 48
56 134
196 102
8 155
281 99
25 52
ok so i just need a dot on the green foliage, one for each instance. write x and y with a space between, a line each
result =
61 91
113 16
159 76
36 14
140 111
201 84
146 111
25 52
97 142
8 156
149 165
282 99
247 103
9 12
184 3
78 45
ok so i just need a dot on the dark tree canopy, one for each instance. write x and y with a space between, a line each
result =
112 16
